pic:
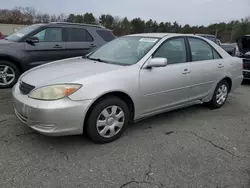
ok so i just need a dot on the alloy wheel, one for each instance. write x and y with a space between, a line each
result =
7 75
221 94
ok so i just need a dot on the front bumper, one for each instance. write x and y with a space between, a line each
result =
54 118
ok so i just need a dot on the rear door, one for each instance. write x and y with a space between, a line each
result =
50 47
207 67
79 42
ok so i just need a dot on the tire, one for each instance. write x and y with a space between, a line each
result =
103 111
214 103
5 80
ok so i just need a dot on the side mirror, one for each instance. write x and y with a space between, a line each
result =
248 53
32 40
157 62
218 42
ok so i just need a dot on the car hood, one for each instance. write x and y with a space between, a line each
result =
244 44
4 42
66 71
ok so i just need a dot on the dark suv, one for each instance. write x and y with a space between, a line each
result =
42 43
229 48
244 53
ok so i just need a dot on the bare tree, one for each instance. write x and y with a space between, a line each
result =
38 18
53 18
61 18
4 14
16 16
45 18
30 14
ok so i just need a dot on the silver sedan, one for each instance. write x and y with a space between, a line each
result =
128 79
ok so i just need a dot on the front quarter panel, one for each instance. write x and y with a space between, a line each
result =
13 50
122 80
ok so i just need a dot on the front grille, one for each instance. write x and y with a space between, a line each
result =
246 64
25 88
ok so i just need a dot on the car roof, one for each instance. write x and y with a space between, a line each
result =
202 34
160 35
70 24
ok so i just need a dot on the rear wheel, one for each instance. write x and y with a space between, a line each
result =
220 95
9 74
107 120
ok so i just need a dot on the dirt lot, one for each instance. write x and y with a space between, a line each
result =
192 147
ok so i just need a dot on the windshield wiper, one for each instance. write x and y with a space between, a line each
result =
85 56
101 60
97 59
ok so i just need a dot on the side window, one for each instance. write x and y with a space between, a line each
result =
174 50
200 50
50 35
79 35
106 35
216 55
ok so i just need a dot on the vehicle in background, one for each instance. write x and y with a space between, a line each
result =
244 48
229 48
1 36
42 43
127 79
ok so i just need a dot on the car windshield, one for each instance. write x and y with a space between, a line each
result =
22 32
125 50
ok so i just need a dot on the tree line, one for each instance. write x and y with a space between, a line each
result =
226 32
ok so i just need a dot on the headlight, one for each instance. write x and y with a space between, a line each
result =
54 92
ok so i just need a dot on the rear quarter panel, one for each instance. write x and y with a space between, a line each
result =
234 70
232 65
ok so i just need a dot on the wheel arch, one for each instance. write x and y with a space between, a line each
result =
120 94
229 81
210 96
12 60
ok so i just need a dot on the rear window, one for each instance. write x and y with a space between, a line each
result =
79 35
106 35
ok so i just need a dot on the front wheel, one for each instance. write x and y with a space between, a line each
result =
220 95
107 120
9 74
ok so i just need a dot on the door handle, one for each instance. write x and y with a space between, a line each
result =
92 45
186 71
57 46
220 65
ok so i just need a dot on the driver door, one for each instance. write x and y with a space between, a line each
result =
169 86
50 47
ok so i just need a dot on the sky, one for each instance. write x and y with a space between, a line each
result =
193 12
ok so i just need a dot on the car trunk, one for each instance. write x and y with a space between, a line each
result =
244 47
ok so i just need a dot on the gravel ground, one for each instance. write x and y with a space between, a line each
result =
187 148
